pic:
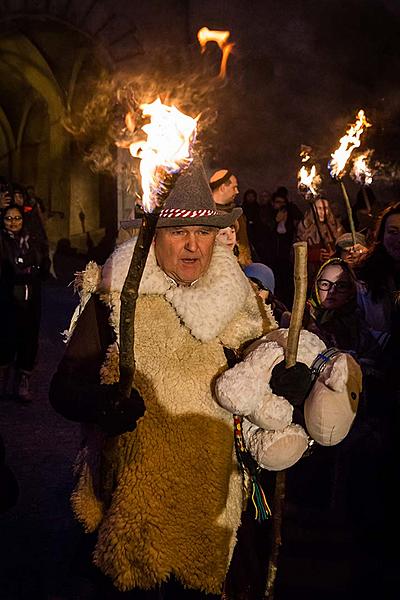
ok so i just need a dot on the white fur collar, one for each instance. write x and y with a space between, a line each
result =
205 308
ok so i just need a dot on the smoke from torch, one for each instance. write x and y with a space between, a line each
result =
205 35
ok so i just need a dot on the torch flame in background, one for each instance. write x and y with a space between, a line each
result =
308 180
362 171
205 35
348 142
167 150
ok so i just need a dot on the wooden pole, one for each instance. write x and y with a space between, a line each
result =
366 199
129 296
349 212
300 297
296 320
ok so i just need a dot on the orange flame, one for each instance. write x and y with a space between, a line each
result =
167 150
308 180
361 170
205 35
348 142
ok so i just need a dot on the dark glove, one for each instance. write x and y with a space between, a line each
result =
293 383
117 413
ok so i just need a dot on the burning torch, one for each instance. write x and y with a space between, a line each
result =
166 152
337 164
362 173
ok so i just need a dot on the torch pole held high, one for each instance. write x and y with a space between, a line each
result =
296 321
349 212
129 296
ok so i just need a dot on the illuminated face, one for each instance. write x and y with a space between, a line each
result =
229 191
391 236
227 236
335 287
321 207
13 220
184 253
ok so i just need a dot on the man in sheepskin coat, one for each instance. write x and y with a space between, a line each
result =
158 478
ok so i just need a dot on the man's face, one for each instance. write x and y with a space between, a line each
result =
278 202
229 190
184 253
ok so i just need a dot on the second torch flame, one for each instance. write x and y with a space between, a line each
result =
167 150
348 143
205 35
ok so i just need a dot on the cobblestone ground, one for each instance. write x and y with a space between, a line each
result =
39 536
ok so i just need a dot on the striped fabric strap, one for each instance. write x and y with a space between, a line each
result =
171 213
321 361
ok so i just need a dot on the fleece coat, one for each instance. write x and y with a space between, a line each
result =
177 498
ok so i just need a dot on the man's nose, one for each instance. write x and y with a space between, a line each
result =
191 243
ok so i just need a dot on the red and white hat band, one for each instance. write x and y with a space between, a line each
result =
173 213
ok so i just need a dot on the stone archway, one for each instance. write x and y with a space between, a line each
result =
46 51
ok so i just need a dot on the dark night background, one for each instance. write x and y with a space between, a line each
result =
300 71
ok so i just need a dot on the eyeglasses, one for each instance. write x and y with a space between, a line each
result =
16 218
341 286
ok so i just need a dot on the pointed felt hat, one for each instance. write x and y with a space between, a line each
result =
191 203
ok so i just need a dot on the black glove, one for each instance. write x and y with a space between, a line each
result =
117 413
293 383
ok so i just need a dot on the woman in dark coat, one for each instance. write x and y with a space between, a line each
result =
279 225
22 266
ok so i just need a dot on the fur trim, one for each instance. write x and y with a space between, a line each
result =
206 308
86 283
140 543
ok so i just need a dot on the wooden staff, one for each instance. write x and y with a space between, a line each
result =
366 199
130 291
349 212
296 320
129 296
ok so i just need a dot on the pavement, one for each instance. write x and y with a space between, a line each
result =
39 539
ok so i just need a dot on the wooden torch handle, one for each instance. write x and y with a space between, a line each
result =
299 302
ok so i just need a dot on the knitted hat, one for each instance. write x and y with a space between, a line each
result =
191 203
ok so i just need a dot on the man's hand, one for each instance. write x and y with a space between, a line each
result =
119 414
293 383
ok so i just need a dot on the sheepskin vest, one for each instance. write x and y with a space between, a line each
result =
177 497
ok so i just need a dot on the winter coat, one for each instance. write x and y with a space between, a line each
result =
177 490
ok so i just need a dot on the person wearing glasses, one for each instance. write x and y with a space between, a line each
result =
333 312
23 264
